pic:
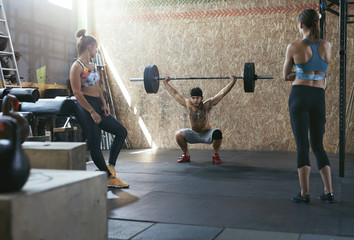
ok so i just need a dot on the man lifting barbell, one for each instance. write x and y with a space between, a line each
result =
199 117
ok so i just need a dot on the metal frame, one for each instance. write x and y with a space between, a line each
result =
343 22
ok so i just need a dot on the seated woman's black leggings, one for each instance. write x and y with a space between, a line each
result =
307 108
93 133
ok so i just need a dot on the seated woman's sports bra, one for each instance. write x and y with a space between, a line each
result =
316 63
88 77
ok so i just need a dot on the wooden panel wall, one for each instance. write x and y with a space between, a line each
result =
211 38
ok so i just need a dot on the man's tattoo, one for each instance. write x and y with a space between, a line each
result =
197 115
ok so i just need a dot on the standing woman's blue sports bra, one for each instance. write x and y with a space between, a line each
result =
316 63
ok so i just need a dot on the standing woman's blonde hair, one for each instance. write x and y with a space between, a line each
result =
309 17
83 41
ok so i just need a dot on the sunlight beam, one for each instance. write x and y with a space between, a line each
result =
116 76
127 97
146 133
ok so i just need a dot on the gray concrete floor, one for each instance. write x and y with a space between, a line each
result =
247 197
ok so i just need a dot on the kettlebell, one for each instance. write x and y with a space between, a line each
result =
14 164
9 104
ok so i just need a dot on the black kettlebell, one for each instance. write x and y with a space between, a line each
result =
14 164
10 104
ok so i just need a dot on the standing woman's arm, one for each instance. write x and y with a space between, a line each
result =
103 102
327 57
288 75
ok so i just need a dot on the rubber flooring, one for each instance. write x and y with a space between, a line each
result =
246 197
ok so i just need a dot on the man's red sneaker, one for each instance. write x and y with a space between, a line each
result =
216 159
184 158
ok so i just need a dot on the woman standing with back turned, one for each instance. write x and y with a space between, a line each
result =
92 111
311 57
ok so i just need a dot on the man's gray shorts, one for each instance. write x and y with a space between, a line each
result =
194 137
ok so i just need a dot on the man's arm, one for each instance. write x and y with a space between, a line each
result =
217 98
173 92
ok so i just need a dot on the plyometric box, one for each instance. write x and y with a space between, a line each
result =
56 204
56 155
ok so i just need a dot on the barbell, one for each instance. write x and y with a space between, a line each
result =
152 79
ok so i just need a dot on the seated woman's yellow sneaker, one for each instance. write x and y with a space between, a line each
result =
117 183
111 170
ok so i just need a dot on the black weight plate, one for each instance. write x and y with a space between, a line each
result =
151 79
249 77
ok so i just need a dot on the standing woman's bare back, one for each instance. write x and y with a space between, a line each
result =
299 52
303 54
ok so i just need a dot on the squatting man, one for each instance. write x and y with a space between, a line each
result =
199 112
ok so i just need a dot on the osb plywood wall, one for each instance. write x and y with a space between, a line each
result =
211 38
